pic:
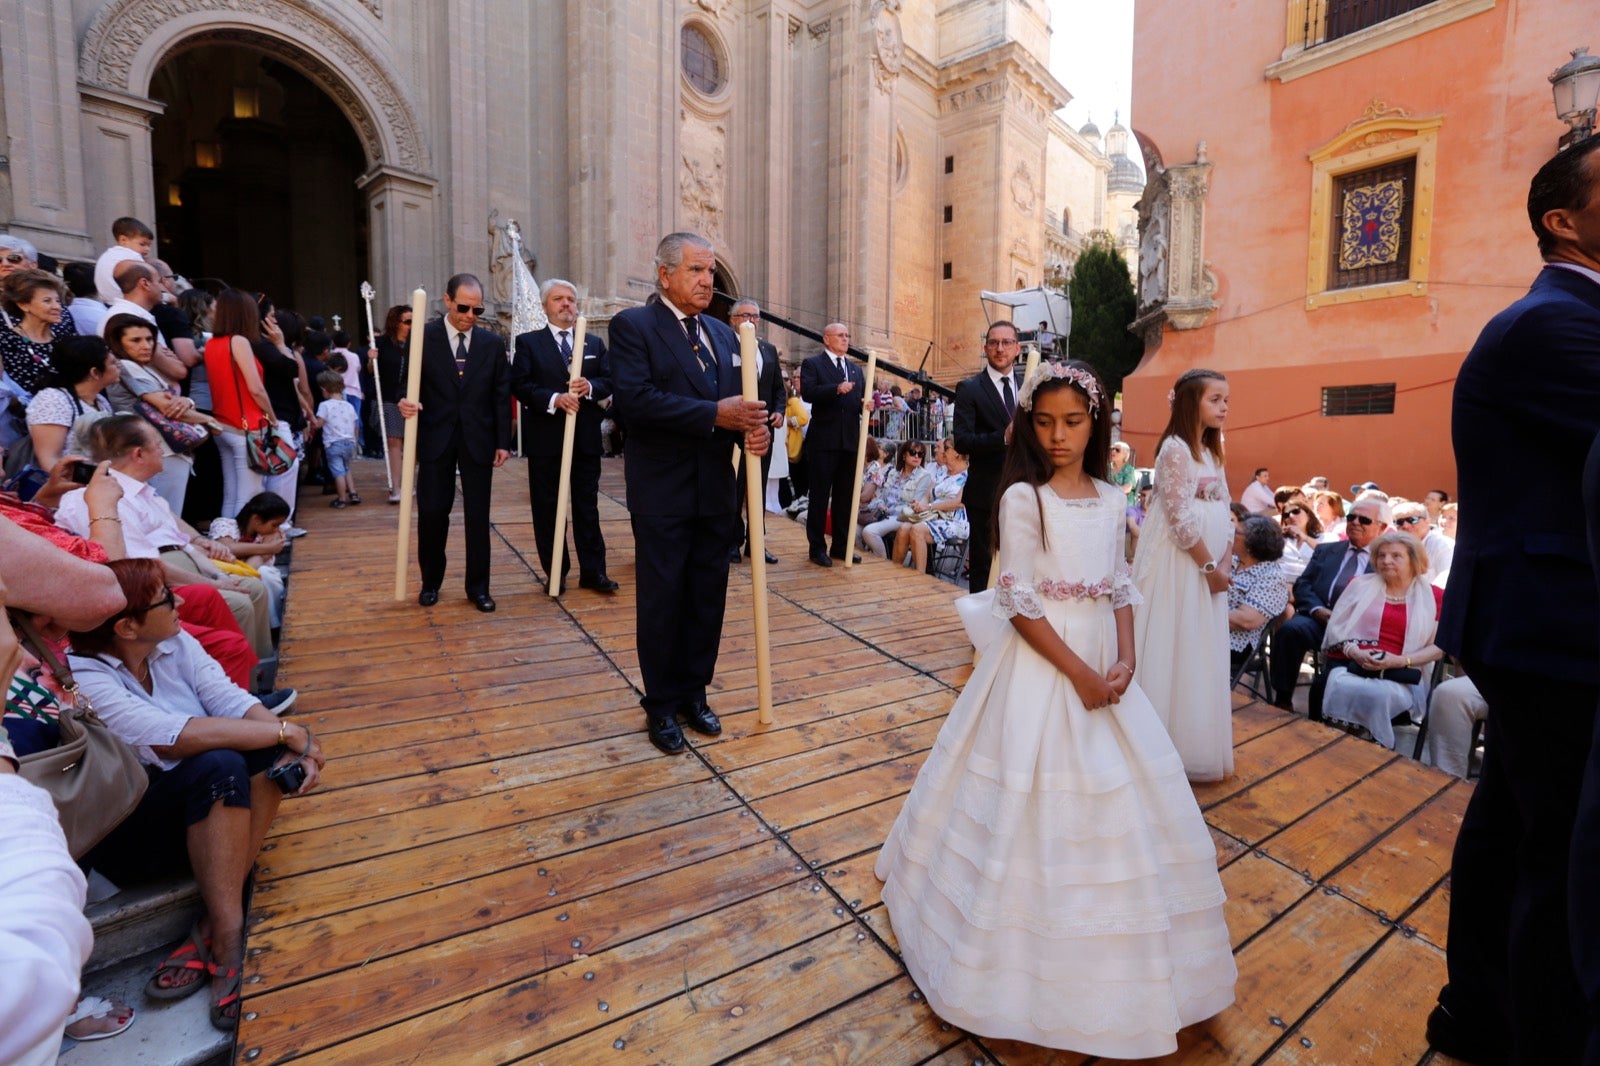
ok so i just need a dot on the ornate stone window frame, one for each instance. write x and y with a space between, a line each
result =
1300 59
724 62
1382 135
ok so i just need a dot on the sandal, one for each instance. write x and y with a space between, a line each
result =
338 503
354 499
192 957
96 1019
225 1008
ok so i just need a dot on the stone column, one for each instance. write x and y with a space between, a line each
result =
401 208
46 155
118 178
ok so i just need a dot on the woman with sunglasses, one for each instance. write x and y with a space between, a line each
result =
908 483
388 356
1301 530
208 747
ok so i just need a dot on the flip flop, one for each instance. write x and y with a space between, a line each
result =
225 1008
95 1019
192 956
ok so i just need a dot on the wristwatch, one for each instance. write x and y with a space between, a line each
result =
1209 568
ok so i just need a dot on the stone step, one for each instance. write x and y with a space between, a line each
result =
163 1033
141 919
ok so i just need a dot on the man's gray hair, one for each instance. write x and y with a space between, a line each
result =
1380 501
8 243
745 301
669 253
551 283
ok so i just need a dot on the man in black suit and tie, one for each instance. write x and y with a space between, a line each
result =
1315 592
674 378
540 372
1522 616
833 388
464 423
985 405
769 386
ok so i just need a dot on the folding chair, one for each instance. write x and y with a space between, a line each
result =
1255 664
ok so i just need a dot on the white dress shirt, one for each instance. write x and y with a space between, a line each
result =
147 521
572 339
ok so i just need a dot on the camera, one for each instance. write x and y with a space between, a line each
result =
82 471
289 776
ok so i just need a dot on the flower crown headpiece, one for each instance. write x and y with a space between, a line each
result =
1060 372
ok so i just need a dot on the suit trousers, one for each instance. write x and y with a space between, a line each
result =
544 483
1509 951
766 466
1296 637
980 549
682 591
832 478
436 496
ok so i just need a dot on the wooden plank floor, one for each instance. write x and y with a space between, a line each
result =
500 868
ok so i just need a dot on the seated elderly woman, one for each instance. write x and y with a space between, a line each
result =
908 482
151 531
219 764
1259 589
942 518
1302 532
1379 639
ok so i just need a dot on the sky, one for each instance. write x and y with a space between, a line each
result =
1091 53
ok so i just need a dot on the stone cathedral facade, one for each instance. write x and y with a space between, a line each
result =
875 161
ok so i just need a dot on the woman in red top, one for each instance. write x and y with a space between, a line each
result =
1380 640
238 398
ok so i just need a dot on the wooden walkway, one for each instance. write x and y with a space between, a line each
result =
501 868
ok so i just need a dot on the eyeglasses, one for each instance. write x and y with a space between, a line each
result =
468 309
751 315
999 344
1413 520
169 600
14 258
1362 520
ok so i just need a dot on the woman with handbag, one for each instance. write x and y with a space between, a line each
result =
1379 638
238 397
69 399
219 764
145 392
939 519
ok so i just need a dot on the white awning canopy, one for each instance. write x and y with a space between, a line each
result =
1029 307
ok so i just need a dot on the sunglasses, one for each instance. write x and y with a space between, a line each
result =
14 258
1407 521
468 309
1291 512
1362 520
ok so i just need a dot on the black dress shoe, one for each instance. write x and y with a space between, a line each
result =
772 560
598 584
665 734
701 718
1450 1036
821 559
733 555
428 597
483 602
853 558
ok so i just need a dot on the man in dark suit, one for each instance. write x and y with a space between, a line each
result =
769 386
1315 592
1522 616
541 381
833 388
985 406
674 378
464 423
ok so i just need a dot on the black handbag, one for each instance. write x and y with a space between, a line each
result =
1406 675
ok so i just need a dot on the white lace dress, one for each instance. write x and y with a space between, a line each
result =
1181 629
1050 878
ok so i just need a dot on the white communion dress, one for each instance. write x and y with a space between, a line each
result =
1050 878
1180 631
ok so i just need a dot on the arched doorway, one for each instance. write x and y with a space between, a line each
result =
255 173
726 293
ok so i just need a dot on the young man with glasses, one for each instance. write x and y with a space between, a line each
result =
985 406
464 423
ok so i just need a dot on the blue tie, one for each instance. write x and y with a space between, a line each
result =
702 352
566 348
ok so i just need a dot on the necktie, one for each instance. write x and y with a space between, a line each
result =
461 355
1347 573
566 348
708 361
1005 395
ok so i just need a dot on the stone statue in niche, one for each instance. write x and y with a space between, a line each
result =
501 250
1155 222
888 44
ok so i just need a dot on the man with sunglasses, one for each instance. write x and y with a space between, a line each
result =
1330 571
464 423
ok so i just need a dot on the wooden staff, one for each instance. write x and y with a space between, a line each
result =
755 506
1028 367
377 386
408 452
861 462
564 486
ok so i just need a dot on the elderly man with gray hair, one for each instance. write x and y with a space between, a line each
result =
543 382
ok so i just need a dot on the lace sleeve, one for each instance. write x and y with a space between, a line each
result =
1020 545
1175 487
1123 591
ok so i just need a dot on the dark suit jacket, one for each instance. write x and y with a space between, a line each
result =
1527 409
538 372
835 419
478 403
980 435
1314 587
769 385
679 463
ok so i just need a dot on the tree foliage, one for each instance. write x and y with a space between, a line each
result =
1104 304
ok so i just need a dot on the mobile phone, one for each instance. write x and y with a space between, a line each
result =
82 471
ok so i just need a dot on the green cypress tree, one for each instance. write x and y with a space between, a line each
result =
1104 304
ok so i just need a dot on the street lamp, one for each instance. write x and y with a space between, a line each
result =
1576 85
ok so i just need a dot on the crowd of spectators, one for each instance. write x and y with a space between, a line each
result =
124 402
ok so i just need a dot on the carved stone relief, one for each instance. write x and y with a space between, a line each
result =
1176 283
713 7
888 51
702 181
1023 192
